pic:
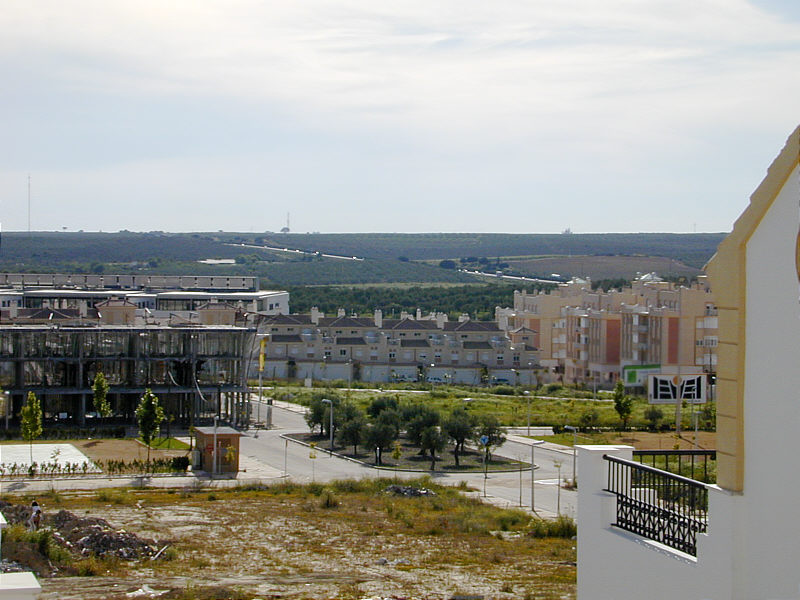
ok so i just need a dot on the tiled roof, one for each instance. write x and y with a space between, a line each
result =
346 322
284 339
523 330
404 324
288 320
471 326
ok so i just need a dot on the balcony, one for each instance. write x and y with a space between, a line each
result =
658 505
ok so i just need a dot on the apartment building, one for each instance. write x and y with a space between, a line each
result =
592 337
375 349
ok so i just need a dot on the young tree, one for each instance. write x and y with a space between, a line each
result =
100 393
379 437
380 404
149 414
31 420
489 428
460 426
418 420
653 414
433 440
590 418
352 432
623 404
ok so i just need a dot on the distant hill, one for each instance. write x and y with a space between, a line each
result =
389 257
693 249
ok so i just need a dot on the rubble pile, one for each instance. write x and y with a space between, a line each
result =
89 535
408 491
85 535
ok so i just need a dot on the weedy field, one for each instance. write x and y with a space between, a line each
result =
347 539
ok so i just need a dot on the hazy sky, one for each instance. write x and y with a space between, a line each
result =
356 115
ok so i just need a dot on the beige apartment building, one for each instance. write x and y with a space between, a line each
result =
593 337
375 349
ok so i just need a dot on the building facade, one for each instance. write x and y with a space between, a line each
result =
592 337
378 350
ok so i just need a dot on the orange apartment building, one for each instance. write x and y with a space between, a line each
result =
589 337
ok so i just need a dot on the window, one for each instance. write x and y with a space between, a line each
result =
392 355
338 332
342 352
327 353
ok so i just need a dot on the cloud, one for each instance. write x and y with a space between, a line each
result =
531 92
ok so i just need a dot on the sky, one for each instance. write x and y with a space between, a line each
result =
521 116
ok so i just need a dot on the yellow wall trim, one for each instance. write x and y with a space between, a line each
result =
727 272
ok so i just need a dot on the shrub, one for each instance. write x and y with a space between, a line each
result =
179 463
562 527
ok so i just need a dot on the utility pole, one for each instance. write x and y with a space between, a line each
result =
29 205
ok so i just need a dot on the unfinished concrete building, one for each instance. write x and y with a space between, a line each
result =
196 371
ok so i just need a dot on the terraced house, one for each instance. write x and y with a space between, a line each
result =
411 348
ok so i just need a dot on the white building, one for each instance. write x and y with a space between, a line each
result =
748 547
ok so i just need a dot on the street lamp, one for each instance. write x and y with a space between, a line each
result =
527 395
533 471
330 403
557 465
574 431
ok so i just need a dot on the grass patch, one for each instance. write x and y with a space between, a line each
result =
171 443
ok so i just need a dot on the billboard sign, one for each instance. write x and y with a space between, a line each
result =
636 375
667 389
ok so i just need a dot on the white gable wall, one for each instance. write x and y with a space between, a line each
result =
771 531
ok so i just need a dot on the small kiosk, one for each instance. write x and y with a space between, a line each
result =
226 440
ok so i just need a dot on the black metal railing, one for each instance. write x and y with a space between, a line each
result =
694 464
658 505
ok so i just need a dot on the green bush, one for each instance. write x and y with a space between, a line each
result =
562 527
180 463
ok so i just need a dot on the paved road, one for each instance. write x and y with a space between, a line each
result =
267 456
272 450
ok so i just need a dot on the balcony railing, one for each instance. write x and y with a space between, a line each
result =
699 465
660 506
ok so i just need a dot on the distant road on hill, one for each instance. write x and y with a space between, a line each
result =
317 259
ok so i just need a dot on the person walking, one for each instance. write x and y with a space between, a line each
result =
36 516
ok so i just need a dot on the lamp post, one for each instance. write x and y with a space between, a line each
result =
557 465
574 431
533 470
527 395
330 403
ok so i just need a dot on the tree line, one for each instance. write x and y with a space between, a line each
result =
385 420
479 300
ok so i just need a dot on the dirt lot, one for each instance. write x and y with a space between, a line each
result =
348 541
127 449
